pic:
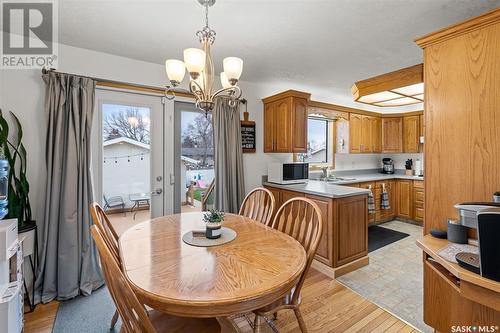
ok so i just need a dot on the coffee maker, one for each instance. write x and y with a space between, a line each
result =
387 165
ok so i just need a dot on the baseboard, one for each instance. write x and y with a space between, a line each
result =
342 270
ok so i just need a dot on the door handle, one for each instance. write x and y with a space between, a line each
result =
157 191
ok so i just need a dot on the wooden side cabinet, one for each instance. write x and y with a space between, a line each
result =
325 247
411 134
392 135
285 122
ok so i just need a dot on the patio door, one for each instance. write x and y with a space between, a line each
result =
193 158
132 173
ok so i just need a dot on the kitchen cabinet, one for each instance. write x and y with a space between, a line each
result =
418 201
350 225
389 213
364 134
355 133
345 227
392 135
376 132
285 122
404 198
422 131
411 134
323 253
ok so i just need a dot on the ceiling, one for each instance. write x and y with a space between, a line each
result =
328 44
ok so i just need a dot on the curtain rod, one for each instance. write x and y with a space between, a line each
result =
121 83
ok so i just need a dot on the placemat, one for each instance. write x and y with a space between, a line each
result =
227 235
450 251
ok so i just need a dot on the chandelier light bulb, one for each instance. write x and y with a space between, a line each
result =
233 67
175 71
225 81
195 61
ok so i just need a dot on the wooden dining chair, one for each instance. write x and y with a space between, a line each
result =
110 235
301 219
259 205
134 316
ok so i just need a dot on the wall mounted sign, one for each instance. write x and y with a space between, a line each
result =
248 134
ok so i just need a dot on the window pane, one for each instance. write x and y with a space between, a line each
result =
317 147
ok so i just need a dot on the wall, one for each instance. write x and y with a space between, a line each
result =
372 161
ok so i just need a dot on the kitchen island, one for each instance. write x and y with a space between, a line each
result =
344 242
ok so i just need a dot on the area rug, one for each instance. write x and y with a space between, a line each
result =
379 237
86 314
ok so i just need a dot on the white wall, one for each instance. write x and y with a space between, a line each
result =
372 161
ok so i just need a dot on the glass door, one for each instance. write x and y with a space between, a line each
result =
193 158
132 178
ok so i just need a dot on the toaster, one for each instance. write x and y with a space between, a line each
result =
468 211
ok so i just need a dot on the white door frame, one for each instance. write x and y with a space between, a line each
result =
165 136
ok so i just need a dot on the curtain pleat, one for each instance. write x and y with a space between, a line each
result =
68 259
229 178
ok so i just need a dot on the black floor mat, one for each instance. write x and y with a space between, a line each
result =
379 237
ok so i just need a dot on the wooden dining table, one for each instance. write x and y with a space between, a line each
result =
256 268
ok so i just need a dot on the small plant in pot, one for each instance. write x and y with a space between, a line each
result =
213 220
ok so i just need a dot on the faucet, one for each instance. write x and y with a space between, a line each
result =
324 173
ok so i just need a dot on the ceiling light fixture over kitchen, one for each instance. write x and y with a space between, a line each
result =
398 88
198 63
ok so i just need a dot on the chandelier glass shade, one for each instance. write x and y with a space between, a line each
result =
198 63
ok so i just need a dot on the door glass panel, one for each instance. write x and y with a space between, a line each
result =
194 157
126 167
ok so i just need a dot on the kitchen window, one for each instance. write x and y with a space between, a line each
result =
320 145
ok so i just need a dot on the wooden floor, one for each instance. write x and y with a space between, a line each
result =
327 306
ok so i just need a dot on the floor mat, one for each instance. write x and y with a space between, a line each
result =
86 314
379 237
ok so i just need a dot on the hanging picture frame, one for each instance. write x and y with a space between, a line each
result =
248 135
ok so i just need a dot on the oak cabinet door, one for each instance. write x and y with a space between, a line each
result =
269 127
283 127
355 133
411 134
351 229
366 134
392 135
299 127
324 253
287 195
376 130
405 199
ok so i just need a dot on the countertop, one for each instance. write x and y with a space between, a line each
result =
321 188
338 188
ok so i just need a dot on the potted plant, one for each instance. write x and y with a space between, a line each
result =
213 220
18 187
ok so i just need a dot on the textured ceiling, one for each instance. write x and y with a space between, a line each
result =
328 44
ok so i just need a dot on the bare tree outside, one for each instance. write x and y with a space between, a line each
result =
132 124
199 134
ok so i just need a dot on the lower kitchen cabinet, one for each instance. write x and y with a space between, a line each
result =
325 247
405 198
350 225
345 226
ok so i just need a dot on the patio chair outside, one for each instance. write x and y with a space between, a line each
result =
113 202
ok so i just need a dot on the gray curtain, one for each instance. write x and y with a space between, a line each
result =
229 180
68 259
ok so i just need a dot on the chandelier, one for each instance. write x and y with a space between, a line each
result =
199 64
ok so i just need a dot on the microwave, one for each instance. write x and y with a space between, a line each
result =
287 173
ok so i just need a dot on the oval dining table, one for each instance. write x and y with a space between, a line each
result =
256 268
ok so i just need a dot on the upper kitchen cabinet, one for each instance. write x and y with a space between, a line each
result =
285 122
411 134
364 134
392 135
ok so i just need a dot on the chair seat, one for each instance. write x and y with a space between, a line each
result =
167 323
